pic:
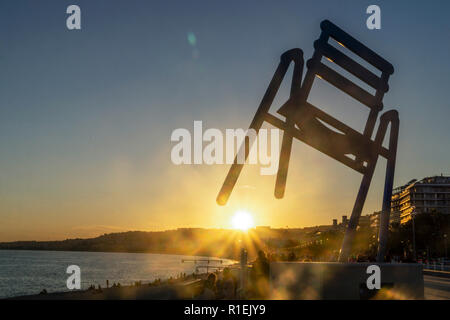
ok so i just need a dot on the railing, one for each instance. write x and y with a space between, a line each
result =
206 266
242 268
436 266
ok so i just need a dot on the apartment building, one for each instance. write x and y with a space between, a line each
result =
421 196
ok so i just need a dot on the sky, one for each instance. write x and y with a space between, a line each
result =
86 115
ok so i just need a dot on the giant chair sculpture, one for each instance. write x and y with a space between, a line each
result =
304 122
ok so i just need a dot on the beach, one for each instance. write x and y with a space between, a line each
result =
27 273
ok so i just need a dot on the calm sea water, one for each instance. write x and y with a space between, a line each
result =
28 272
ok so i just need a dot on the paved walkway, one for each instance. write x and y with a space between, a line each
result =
436 288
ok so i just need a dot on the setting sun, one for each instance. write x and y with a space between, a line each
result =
242 220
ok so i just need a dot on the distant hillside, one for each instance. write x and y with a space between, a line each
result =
206 242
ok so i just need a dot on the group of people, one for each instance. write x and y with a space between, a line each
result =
225 285
219 286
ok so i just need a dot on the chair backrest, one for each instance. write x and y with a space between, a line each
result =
324 49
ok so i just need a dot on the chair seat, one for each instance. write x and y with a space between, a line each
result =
328 134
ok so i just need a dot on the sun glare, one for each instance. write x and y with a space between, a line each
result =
242 220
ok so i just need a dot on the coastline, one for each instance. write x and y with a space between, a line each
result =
179 289
189 242
156 281
134 252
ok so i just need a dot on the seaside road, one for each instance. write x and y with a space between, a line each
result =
436 288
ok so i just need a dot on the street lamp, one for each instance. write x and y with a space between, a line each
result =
413 214
445 244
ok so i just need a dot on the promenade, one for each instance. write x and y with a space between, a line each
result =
436 288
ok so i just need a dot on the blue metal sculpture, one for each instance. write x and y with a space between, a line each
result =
348 146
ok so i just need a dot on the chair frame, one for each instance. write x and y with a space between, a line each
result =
298 112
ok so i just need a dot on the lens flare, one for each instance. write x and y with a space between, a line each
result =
192 39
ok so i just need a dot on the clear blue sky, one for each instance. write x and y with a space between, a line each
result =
86 116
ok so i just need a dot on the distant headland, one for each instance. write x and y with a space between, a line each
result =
225 243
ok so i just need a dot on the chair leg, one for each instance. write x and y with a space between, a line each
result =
388 117
385 211
295 55
283 164
356 212
286 146
388 185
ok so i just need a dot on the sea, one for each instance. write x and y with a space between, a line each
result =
24 272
